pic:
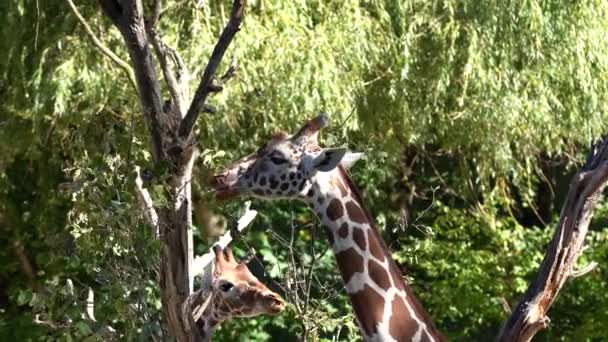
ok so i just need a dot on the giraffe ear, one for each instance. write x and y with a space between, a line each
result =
329 159
350 158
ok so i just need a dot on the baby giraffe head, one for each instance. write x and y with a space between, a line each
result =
237 292
284 167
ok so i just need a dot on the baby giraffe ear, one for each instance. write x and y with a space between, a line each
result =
329 159
350 158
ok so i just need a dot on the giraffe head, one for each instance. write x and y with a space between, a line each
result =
237 292
284 167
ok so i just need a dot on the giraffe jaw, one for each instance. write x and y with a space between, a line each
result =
226 194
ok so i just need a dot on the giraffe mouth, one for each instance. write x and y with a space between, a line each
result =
276 304
223 187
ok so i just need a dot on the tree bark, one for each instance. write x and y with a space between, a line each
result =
530 315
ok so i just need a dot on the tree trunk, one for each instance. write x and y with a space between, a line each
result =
530 315
171 137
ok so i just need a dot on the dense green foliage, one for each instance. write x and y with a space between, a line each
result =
473 116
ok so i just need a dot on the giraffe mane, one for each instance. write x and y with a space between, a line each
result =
356 193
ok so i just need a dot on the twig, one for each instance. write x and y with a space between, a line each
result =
146 203
204 88
579 273
101 46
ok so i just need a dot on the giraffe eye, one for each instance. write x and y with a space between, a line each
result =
278 160
225 287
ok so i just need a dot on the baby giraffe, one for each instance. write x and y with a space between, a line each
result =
235 292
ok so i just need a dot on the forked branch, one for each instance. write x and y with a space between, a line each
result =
206 86
530 315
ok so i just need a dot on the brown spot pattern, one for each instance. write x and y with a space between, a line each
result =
359 237
311 192
378 274
369 308
375 246
335 210
401 326
343 230
349 262
355 213
274 183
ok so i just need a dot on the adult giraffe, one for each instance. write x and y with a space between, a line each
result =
235 292
296 167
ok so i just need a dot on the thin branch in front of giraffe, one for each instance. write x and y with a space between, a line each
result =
300 278
425 229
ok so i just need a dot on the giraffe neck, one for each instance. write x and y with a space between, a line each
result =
212 316
384 305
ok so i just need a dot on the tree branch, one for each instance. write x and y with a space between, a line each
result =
153 19
101 46
146 203
201 263
579 273
128 18
177 88
529 316
206 85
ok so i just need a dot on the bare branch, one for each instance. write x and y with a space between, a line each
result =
156 11
176 89
579 273
529 316
102 330
128 18
204 88
229 74
102 47
202 262
146 203
89 307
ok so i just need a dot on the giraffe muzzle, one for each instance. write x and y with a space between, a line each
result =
274 303
222 184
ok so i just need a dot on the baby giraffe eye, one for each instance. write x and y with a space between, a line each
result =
225 287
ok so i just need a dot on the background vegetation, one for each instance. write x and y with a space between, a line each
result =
473 116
